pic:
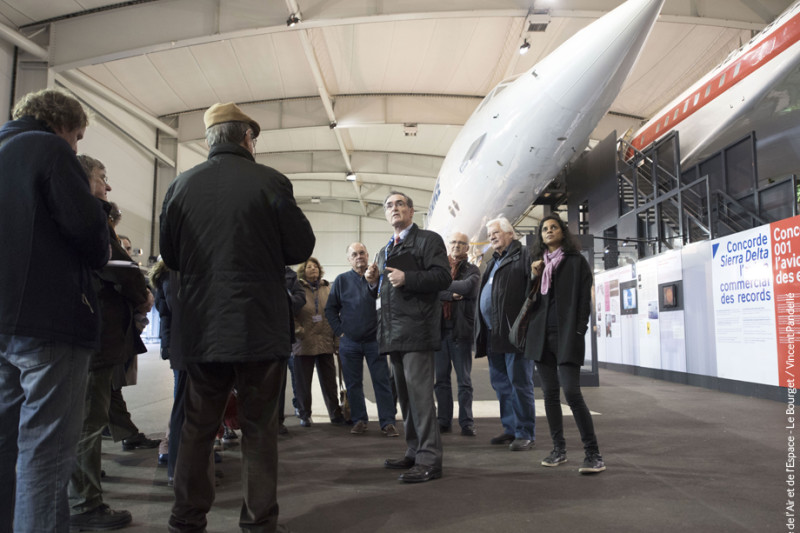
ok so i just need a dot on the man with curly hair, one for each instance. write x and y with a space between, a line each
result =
49 320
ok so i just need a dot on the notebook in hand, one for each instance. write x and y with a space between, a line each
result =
402 261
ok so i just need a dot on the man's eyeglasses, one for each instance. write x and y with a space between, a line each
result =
253 138
398 203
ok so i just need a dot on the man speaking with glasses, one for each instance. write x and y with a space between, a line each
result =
458 324
406 279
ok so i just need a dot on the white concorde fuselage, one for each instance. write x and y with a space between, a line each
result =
525 130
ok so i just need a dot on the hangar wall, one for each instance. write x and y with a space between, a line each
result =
6 75
129 166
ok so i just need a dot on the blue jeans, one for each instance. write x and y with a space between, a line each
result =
512 380
457 353
41 413
353 354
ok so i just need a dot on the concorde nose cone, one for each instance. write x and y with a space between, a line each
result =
606 51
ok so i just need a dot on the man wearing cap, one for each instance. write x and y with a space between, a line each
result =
228 227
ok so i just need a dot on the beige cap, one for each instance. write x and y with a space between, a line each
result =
230 112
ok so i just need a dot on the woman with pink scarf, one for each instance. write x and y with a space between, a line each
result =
555 338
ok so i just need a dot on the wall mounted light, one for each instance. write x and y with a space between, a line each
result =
524 47
293 19
351 176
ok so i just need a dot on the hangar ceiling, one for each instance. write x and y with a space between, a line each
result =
397 79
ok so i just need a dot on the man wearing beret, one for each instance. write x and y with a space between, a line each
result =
228 227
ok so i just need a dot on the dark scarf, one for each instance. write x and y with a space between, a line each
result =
447 305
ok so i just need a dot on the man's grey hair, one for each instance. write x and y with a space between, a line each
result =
505 225
408 200
349 246
89 164
226 132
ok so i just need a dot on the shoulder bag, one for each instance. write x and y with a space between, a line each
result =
519 330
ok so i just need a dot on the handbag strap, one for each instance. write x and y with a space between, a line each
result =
537 283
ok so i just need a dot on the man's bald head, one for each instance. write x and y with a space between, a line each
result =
458 245
357 257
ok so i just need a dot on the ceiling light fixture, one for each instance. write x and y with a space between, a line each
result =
410 129
315 200
524 48
293 19
351 176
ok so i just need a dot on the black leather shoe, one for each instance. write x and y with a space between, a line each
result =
503 438
468 431
420 473
400 464
445 429
305 422
520 445
163 459
139 441
100 518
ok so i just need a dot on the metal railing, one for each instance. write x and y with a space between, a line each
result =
657 196
731 213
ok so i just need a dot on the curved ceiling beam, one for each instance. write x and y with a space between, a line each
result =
349 110
156 26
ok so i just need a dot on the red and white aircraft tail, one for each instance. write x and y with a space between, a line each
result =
757 88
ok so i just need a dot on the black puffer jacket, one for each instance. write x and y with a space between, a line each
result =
229 226
410 316
508 293
53 232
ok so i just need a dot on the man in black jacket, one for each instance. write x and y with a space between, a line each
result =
458 328
503 287
228 227
406 280
54 232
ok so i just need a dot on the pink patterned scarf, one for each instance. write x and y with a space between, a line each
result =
551 262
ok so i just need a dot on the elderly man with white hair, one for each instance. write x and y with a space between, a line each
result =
503 289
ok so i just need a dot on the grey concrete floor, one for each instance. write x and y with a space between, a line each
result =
679 458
